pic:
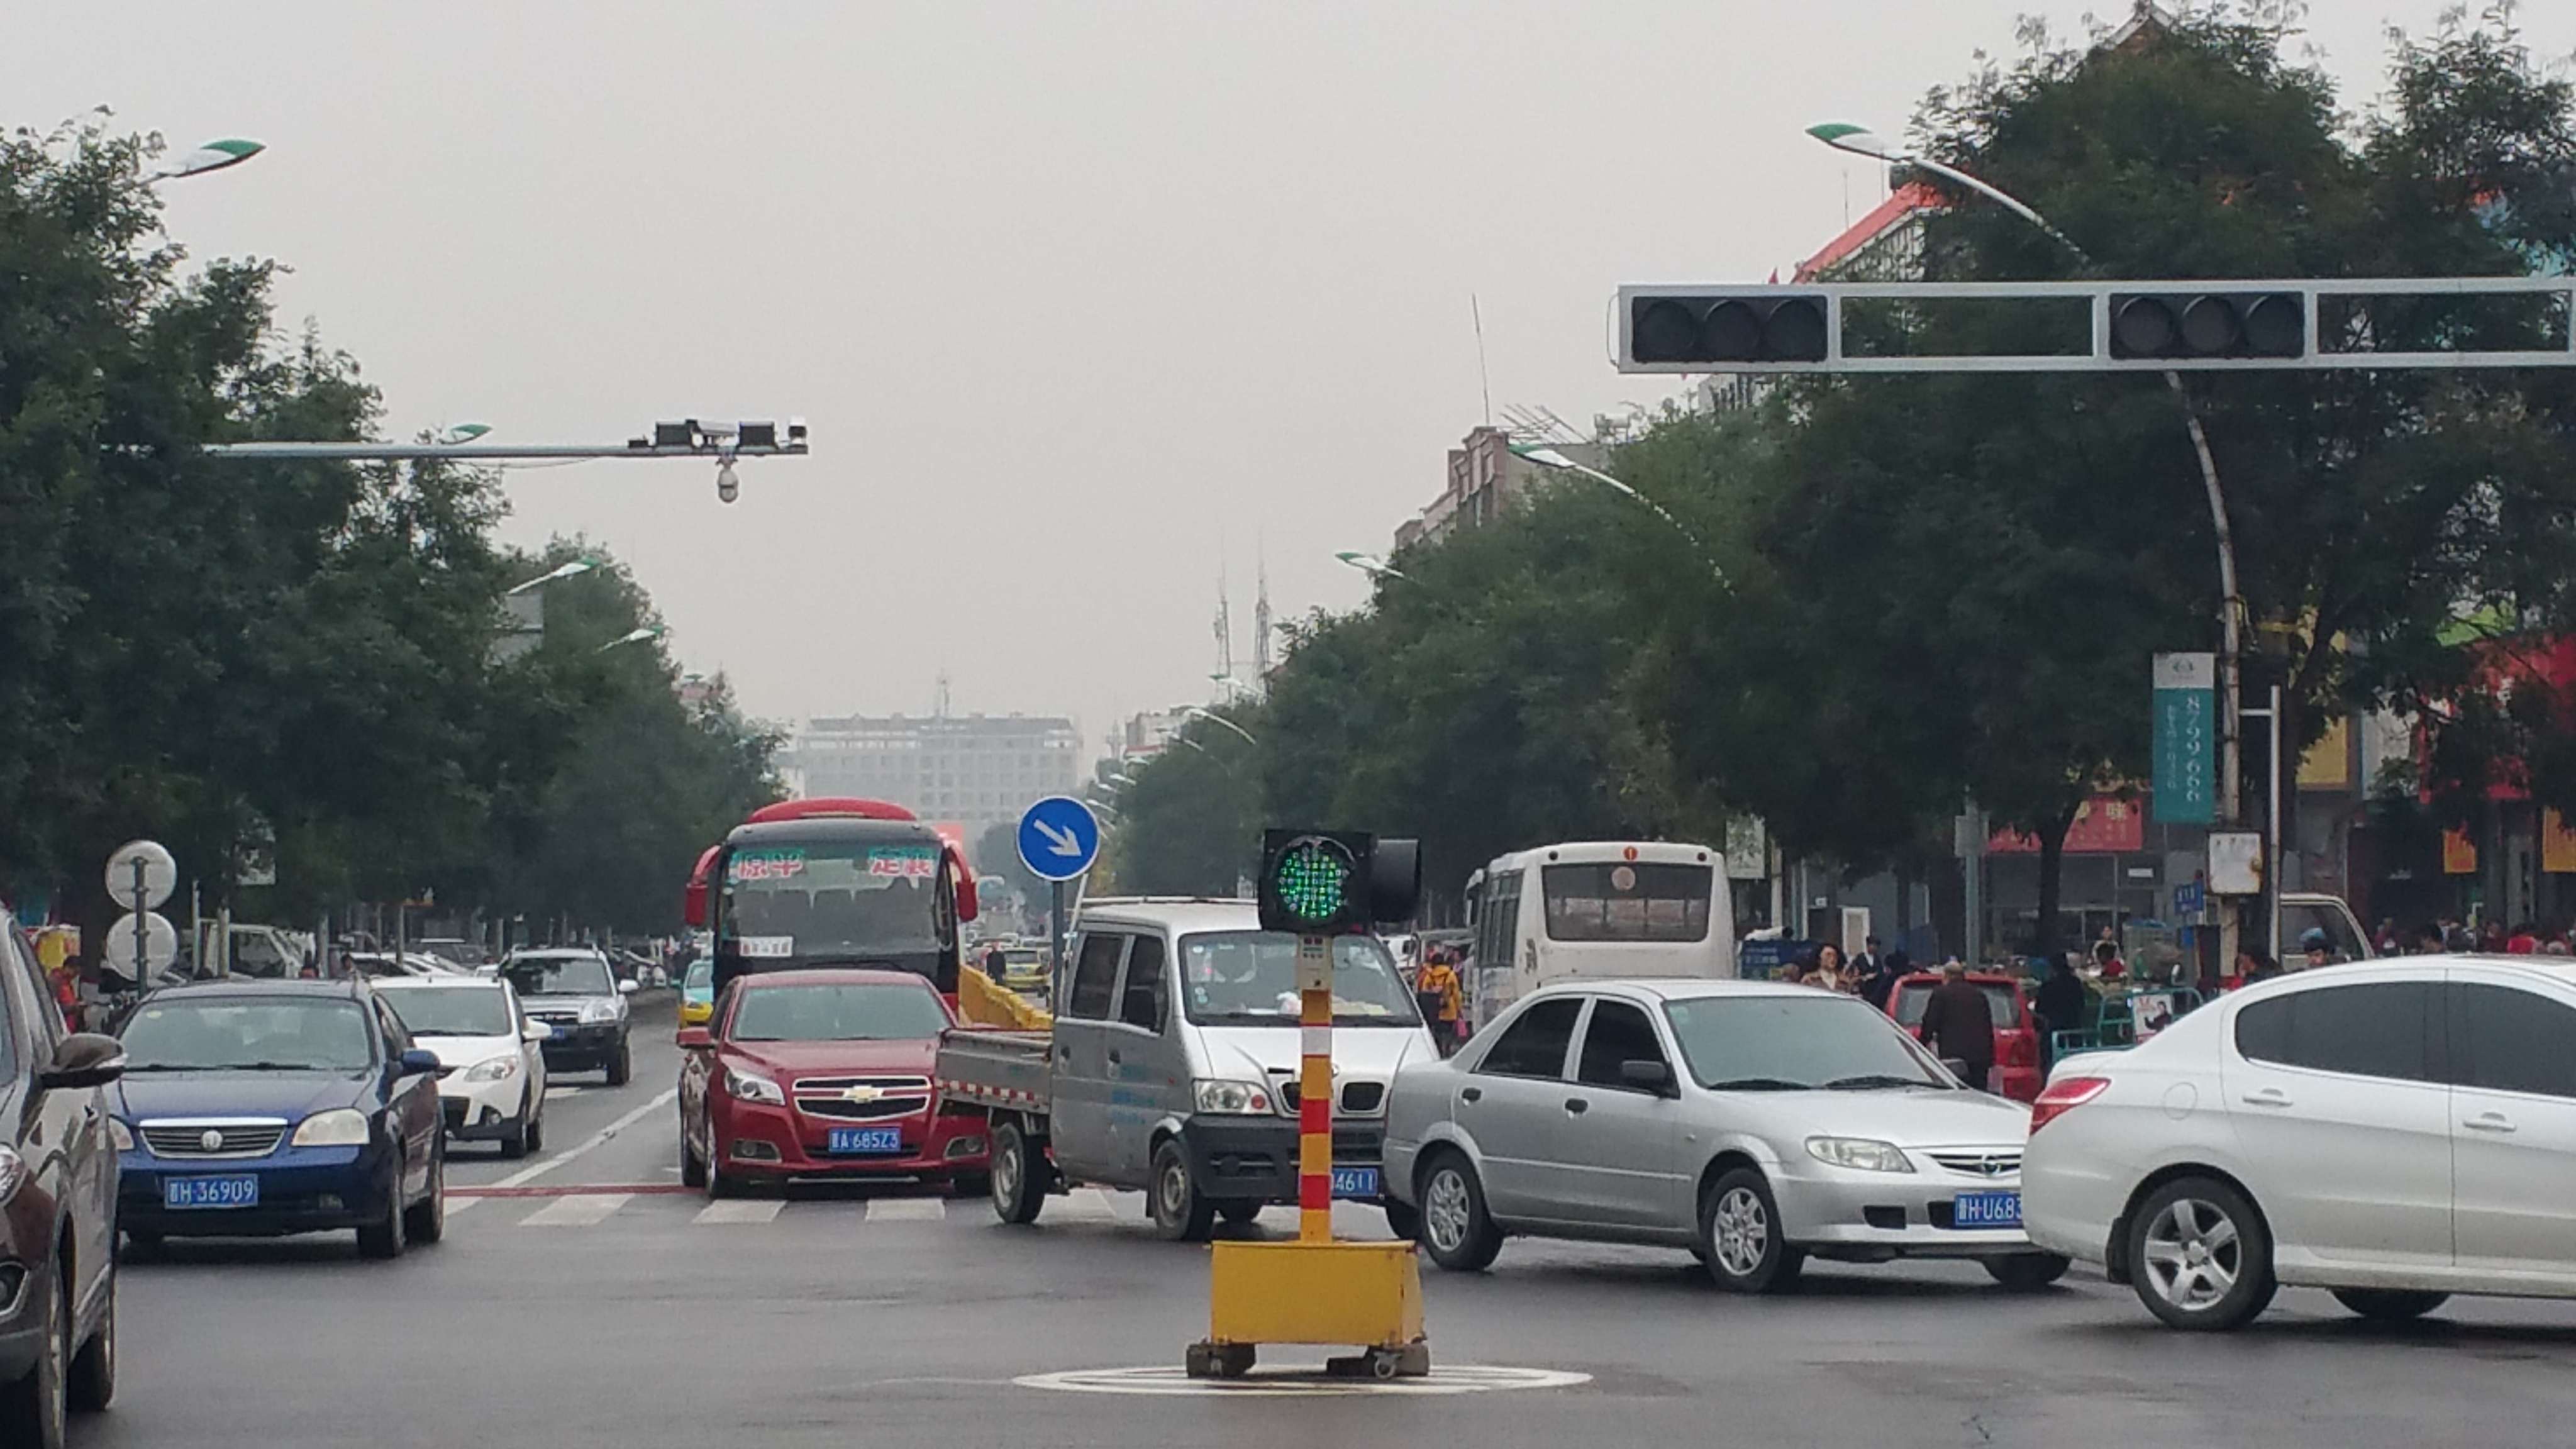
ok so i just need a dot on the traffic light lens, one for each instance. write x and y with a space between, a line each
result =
2210 326
2143 328
1796 332
1731 331
1313 881
1664 331
2276 327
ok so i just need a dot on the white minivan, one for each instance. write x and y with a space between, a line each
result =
1595 910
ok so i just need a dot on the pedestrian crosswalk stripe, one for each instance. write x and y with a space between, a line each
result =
906 1210
748 1210
579 1211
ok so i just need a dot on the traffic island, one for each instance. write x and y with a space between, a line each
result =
1366 1296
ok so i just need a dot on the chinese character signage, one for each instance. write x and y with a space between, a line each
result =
2186 738
2104 825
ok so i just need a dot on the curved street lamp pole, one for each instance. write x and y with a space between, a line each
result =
1547 457
1859 140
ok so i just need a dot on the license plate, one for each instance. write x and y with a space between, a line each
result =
210 1192
865 1141
1986 1210
1355 1182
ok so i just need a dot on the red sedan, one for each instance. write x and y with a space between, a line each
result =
823 1074
2017 1073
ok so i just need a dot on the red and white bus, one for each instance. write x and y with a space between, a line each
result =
833 881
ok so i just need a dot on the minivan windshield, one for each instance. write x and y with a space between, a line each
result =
233 1034
1250 978
1804 1041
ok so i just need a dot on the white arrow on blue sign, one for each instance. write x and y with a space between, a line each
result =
1059 838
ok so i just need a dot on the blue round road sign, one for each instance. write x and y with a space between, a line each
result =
1059 838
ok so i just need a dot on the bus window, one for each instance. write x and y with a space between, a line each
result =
1627 901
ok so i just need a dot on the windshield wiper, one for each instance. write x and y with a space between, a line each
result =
1867 1081
1759 1084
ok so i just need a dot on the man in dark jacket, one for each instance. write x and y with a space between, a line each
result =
1880 980
1959 1025
2060 1001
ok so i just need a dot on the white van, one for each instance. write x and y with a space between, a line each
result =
1597 909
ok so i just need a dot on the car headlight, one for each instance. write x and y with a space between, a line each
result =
748 1088
498 1069
1864 1153
120 1134
595 1012
339 1127
13 1173
1233 1098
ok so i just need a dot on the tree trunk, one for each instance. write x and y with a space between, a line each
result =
2052 862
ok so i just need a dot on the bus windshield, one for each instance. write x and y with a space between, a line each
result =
1623 901
832 897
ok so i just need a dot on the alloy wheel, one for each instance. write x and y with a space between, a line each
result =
1743 1232
1445 1209
2193 1254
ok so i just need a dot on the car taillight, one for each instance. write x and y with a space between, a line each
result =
2063 1097
2019 1050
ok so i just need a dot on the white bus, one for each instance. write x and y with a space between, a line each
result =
1596 908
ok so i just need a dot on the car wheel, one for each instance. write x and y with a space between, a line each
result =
621 1067
426 1221
1404 1220
2390 1305
1739 1224
144 1246
385 1239
2027 1272
693 1168
2200 1257
537 1128
1182 1214
1018 1177
719 1185
1454 1227
92 1384
514 1138
32 1409
1242 1212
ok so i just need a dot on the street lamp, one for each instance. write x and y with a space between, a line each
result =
559 571
1212 717
459 433
212 156
1371 565
631 636
1547 457
1859 140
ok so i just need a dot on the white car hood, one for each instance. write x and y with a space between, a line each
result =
1908 1119
1258 1052
465 1051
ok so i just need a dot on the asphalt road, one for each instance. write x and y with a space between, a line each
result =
643 1318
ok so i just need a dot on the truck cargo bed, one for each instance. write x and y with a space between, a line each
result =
994 1068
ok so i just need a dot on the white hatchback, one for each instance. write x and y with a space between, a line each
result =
2394 1132
491 1070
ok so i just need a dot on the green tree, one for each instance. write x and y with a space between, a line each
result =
1191 824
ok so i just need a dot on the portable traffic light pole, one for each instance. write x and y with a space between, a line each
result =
1319 885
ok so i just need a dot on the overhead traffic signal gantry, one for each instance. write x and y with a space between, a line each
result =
1759 324
2180 324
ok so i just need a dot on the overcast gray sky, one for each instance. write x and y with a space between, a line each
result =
1080 300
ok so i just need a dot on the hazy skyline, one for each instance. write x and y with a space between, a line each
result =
1083 303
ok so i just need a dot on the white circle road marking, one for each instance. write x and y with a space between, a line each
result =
1165 1382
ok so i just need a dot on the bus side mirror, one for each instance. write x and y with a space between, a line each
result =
693 906
967 902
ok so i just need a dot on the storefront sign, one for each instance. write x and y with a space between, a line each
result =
2186 738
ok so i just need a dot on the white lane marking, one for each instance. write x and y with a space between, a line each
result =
749 1210
581 1210
527 1175
906 1210
457 1205
1082 1205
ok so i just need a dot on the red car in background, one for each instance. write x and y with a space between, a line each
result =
2017 1073
822 1074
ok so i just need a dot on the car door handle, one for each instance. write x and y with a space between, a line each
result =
1471 1094
2489 1122
1116 1060
2267 1097
1064 1054
1576 1106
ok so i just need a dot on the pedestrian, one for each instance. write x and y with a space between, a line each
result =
1864 964
1879 984
995 963
2491 938
1959 1025
2525 941
2317 950
1827 972
2384 940
1437 990
2060 1001
2106 960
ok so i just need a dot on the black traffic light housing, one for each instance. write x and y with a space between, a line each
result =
1756 325
1336 882
2170 325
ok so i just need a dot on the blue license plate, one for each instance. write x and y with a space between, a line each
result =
1986 1210
1355 1182
865 1141
209 1192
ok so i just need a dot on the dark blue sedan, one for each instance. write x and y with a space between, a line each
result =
260 1108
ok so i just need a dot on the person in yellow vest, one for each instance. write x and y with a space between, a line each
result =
1439 992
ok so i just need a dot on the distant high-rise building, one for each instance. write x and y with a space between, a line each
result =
973 769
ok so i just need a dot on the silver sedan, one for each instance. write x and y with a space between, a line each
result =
1754 1123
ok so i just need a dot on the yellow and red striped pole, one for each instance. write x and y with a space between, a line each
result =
1315 1090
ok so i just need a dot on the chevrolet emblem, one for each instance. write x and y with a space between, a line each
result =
862 1094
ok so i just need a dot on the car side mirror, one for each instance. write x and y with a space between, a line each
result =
1653 1076
416 1062
536 1031
627 988
85 1059
694 1039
